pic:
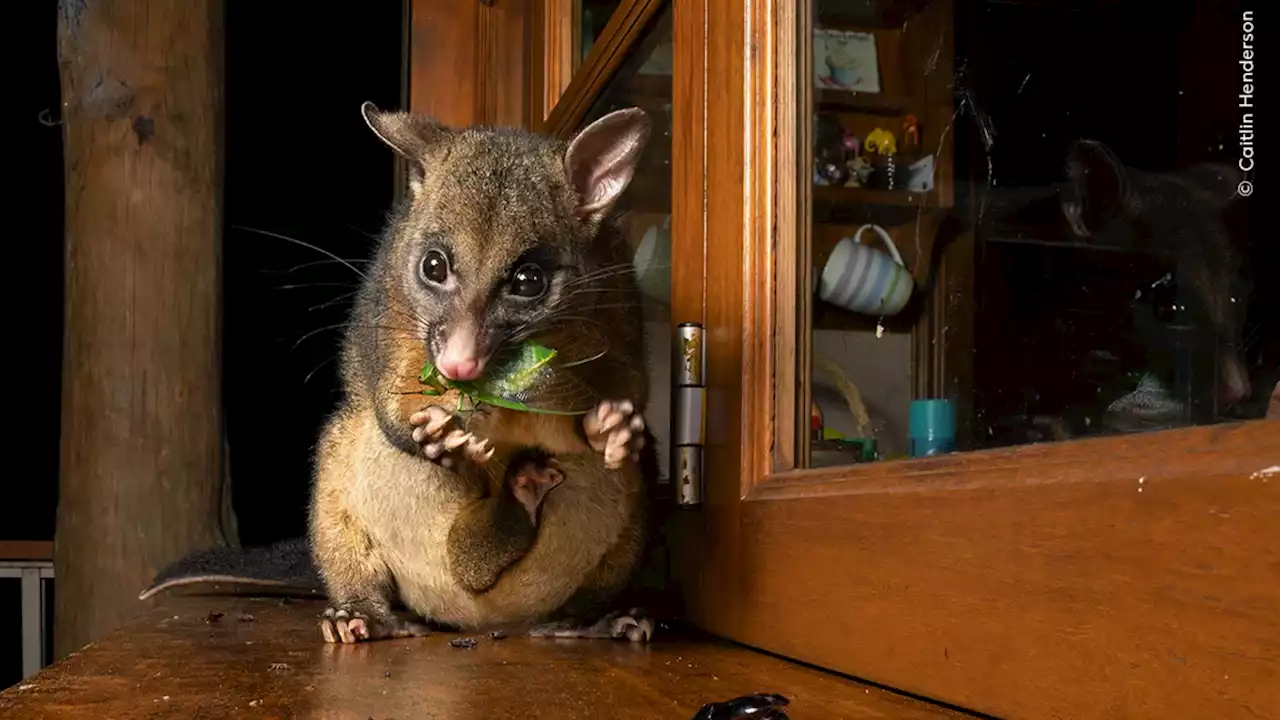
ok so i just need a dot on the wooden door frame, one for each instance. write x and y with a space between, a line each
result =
1131 575
1069 580
468 62
553 45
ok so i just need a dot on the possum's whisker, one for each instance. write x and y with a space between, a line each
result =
313 263
621 305
317 331
1250 337
333 301
304 244
545 323
584 361
303 286
410 313
604 273
316 369
343 325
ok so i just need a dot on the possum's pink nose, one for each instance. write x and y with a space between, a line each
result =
1235 386
462 369
461 359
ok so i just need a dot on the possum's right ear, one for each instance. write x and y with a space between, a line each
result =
411 136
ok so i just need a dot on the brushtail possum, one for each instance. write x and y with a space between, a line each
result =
1177 216
494 517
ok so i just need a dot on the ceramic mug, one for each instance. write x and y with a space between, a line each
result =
864 279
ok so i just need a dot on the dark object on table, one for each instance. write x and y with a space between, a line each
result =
761 706
498 635
464 642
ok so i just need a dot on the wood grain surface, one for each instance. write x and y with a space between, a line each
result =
262 659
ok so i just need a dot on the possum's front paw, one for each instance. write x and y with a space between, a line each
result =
350 626
531 482
436 430
615 429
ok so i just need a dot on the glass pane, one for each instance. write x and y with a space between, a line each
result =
646 208
1018 240
591 17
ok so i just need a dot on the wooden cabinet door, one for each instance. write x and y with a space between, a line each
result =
1066 560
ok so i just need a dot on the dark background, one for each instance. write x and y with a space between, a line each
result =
300 162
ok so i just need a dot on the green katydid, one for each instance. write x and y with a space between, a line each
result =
509 379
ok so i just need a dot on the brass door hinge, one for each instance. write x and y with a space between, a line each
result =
689 412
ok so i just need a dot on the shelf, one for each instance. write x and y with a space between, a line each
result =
837 195
847 101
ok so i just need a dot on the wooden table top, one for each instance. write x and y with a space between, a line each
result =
264 659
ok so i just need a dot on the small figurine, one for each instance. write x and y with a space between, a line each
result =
880 141
911 132
852 146
817 175
859 170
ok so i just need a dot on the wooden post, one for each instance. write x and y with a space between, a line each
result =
141 392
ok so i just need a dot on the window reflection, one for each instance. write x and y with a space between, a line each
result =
1058 184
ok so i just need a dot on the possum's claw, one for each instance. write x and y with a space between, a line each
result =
436 430
349 627
615 429
634 625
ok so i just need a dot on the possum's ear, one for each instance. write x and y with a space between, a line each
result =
602 159
1098 187
411 136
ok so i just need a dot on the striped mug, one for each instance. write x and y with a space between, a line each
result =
864 279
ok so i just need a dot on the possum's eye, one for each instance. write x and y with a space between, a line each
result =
435 267
528 281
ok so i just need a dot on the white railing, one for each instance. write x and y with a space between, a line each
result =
31 573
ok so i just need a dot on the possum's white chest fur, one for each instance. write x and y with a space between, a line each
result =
408 507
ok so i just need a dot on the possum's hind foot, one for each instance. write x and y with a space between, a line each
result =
436 430
616 430
350 626
532 480
634 625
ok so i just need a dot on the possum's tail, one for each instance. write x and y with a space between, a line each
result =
285 568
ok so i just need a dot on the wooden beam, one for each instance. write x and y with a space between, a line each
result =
141 414
26 550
